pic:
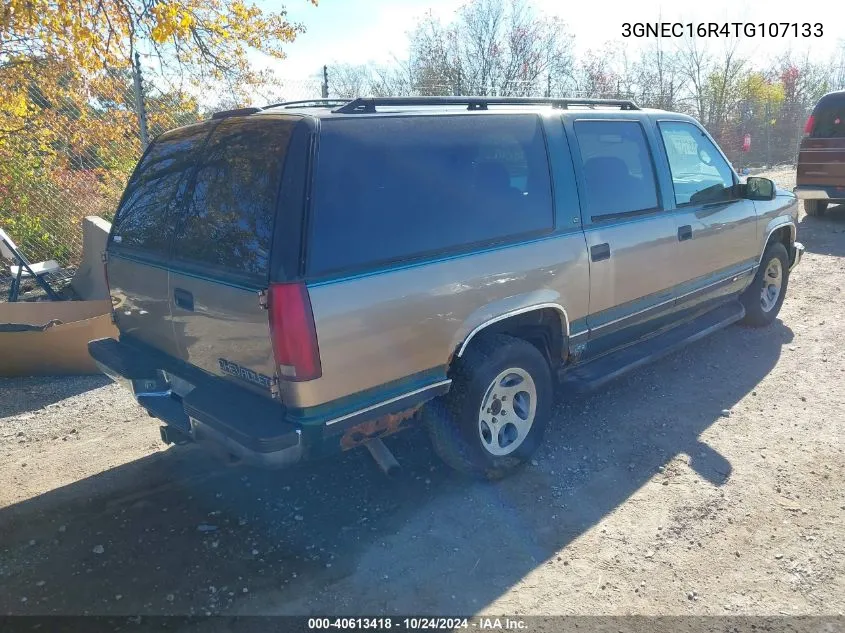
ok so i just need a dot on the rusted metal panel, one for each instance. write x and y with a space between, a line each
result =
380 427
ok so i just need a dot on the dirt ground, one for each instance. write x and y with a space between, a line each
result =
712 482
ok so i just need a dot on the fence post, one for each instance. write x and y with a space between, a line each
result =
140 108
325 87
768 133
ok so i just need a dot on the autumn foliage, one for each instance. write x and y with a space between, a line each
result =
68 123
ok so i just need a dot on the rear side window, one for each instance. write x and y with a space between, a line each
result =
388 189
145 217
228 219
829 118
618 169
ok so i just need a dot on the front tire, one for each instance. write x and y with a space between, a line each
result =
815 207
496 412
764 297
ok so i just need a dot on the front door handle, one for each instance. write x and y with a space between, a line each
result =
684 233
183 299
600 252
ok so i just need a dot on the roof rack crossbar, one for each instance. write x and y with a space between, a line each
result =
363 105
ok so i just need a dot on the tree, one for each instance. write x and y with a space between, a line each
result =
198 38
595 75
68 128
493 47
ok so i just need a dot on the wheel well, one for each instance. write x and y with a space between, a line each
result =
543 328
783 235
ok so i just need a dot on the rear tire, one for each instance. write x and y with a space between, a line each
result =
815 207
496 412
764 297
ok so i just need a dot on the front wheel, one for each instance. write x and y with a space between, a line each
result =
815 207
494 416
764 297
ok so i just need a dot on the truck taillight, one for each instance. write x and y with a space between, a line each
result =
808 127
293 332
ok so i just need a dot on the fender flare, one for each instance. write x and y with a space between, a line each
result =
511 313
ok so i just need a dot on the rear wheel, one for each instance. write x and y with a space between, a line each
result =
764 297
494 417
815 207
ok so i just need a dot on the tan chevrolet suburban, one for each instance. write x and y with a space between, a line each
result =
308 277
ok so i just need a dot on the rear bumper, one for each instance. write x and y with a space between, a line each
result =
209 410
819 192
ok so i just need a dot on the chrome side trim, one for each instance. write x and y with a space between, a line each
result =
153 394
731 277
441 383
509 314
574 339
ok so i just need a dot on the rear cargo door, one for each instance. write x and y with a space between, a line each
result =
142 234
221 254
822 157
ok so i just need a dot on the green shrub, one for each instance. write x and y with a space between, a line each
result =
34 241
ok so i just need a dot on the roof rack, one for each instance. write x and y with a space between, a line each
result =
224 114
316 103
363 105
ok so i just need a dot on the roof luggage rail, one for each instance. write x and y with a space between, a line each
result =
225 114
308 102
364 105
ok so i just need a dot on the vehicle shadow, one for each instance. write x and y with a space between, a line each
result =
820 234
179 535
30 394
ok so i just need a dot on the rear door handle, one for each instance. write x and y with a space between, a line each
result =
183 299
600 252
684 233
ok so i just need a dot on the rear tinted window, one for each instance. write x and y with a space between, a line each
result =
829 118
387 189
617 167
228 219
145 217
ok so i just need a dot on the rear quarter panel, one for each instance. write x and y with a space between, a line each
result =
378 328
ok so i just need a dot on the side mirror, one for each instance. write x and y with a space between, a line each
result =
757 188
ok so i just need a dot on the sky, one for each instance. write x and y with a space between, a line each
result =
360 31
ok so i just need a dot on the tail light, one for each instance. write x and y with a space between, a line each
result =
293 333
808 127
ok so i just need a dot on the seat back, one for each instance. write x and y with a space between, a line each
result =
7 247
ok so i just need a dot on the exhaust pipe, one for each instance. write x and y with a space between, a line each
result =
384 458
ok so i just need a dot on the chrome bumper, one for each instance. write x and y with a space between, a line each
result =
805 192
799 252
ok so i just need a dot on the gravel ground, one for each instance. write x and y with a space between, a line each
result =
708 483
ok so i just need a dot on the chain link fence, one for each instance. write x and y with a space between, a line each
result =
70 151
